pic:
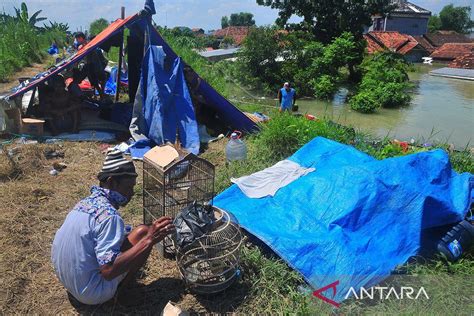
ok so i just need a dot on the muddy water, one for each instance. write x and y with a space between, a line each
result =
442 110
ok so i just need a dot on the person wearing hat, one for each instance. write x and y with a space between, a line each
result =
91 253
287 97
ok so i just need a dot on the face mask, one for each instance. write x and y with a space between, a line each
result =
76 43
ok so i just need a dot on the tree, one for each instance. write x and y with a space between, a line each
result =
98 26
22 15
434 23
238 19
328 19
258 58
224 22
456 19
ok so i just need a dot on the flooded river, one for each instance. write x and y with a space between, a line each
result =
442 110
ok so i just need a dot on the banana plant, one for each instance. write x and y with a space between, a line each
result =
22 15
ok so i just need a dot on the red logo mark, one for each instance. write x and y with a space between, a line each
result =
318 293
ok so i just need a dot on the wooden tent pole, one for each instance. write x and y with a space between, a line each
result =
119 68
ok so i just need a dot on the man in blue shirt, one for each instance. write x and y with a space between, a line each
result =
287 97
91 254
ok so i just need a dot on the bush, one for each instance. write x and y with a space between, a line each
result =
385 83
365 101
324 87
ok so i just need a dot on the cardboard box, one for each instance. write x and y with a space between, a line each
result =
31 126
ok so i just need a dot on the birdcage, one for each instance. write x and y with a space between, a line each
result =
172 180
210 264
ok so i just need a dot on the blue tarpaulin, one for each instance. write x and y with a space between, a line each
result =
355 218
163 104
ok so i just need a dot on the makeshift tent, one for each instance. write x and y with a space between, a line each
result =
140 30
354 219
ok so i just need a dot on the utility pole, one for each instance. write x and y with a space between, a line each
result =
120 58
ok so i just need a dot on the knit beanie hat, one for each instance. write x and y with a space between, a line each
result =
115 164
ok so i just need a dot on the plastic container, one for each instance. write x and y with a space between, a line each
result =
457 240
235 148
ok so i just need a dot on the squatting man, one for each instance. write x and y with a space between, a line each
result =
91 254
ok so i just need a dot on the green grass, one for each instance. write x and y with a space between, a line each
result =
273 286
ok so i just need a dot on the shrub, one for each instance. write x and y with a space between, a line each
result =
385 83
324 87
365 101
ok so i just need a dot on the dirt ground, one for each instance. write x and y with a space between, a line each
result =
28 72
34 205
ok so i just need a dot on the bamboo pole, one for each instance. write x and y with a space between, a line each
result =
119 68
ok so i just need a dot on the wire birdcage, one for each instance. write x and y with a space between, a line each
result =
167 190
210 264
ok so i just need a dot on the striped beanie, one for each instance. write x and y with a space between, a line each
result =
116 165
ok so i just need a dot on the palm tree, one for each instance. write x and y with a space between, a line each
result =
22 15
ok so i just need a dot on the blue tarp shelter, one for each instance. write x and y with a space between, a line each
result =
355 218
141 28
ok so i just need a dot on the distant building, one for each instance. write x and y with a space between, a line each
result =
219 54
450 51
465 61
197 31
432 41
406 18
237 33
403 44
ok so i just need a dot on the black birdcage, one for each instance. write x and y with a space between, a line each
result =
169 189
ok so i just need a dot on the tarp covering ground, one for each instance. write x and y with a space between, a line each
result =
355 218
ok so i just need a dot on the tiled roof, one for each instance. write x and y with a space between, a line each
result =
405 7
439 38
425 43
237 33
465 61
394 41
451 51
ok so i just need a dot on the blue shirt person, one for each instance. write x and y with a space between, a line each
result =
91 254
287 97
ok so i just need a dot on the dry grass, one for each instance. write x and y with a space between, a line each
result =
34 205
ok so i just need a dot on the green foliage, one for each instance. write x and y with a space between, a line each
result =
269 57
385 83
326 20
98 26
324 87
55 26
434 23
224 22
238 19
364 102
21 43
23 16
286 133
456 19
184 46
257 59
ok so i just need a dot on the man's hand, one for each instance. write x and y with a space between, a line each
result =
161 228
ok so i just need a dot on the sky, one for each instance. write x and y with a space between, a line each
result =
192 13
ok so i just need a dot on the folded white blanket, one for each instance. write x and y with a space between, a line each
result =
268 181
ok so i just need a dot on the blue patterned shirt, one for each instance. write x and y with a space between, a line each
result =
91 236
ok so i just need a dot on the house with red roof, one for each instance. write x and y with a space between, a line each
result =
450 51
237 33
432 41
403 44
465 61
